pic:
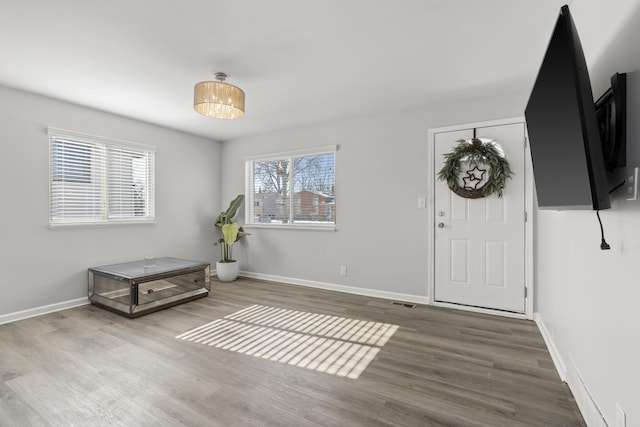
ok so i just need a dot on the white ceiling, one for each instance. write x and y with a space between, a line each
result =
300 62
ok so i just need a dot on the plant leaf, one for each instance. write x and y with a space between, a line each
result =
221 219
233 206
226 216
230 232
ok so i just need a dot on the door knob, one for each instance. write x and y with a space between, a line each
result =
441 225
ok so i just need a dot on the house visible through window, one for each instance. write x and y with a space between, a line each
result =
96 180
296 188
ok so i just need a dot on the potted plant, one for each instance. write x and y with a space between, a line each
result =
227 268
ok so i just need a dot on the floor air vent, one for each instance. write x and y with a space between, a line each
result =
403 304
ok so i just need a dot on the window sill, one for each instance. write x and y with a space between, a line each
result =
97 224
305 227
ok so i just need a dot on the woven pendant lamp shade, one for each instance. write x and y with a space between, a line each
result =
218 99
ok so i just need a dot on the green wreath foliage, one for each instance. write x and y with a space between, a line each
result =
478 154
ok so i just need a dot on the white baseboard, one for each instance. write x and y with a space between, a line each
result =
588 408
561 367
396 296
569 374
38 311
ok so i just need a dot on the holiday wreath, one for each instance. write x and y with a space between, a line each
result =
477 154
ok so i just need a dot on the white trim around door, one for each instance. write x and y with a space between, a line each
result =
529 225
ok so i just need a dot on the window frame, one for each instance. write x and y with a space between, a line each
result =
250 193
101 178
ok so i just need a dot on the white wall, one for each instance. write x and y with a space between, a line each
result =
587 298
380 173
40 266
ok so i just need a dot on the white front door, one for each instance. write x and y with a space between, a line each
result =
479 245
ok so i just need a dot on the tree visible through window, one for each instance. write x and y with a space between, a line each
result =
292 189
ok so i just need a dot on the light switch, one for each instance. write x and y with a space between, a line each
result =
422 202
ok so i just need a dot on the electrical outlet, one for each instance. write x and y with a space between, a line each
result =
621 417
343 270
631 183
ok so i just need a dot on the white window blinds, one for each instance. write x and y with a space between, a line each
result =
94 180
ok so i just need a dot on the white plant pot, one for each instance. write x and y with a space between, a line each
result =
227 271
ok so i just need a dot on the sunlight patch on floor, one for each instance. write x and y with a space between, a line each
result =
335 345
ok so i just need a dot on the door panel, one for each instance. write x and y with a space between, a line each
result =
460 261
496 264
480 243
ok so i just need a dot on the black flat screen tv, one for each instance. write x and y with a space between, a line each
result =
611 110
564 136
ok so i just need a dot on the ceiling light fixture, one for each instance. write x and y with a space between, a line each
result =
218 99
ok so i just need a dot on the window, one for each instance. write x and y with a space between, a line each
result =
292 189
94 180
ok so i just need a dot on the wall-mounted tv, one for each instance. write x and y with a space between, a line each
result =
611 111
566 149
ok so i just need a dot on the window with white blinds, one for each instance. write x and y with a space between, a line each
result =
292 189
95 180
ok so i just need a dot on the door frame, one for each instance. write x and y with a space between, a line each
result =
529 223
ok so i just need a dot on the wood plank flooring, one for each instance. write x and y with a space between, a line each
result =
89 367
